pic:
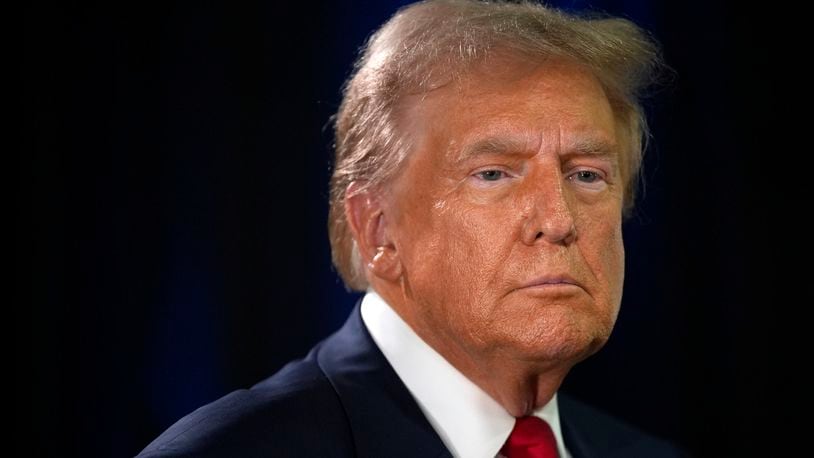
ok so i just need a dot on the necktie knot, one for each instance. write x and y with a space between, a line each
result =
530 438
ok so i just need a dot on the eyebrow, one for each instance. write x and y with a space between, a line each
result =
591 146
493 146
587 145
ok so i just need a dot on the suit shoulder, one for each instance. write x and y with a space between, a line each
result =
586 424
294 412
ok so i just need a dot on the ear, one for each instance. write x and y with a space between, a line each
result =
368 221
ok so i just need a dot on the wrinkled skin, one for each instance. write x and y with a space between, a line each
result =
500 240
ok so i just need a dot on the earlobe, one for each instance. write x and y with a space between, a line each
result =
386 264
369 225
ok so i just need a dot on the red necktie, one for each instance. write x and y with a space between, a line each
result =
530 438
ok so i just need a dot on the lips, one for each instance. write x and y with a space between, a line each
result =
552 280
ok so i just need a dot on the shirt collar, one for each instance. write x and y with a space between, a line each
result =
469 421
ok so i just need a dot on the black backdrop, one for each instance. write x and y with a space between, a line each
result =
173 205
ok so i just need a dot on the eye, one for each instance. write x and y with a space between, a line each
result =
586 176
491 175
588 179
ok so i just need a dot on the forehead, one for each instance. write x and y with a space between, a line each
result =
508 98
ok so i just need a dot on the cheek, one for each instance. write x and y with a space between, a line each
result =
480 238
456 258
464 244
600 242
612 259
616 264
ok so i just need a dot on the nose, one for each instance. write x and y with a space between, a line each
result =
550 216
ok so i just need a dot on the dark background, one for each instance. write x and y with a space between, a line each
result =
173 189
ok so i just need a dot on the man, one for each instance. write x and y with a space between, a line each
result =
485 155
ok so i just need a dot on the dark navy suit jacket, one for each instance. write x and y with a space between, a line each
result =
345 400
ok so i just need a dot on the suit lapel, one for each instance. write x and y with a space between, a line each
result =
589 433
384 417
578 445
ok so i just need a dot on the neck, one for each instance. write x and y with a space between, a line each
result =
519 385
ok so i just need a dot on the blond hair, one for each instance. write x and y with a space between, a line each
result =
428 43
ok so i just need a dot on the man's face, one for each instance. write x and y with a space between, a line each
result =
507 214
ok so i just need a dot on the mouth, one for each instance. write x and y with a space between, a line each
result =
552 282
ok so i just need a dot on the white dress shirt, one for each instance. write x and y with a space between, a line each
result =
470 423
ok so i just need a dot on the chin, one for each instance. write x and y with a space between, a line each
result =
560 337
